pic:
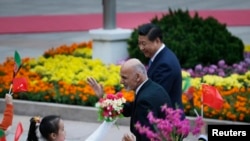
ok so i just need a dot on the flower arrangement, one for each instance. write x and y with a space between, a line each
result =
110 107
47 83
170 128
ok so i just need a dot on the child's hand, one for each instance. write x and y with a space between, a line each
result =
8 99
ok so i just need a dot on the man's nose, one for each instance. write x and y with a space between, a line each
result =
141 47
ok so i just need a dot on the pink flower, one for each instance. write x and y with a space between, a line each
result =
110 107
119 95
198 125
111 96
145 130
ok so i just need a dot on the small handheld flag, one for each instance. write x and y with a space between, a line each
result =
17 66
20 85
19 131
190 92
212 97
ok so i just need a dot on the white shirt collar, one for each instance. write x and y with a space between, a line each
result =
139 87
157 52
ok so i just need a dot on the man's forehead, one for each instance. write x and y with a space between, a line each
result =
142 38
124 74
125 71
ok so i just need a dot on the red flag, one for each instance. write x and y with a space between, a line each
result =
190 92
19 85
19 131
212 97
2 138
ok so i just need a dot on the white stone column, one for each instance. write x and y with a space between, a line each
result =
110 45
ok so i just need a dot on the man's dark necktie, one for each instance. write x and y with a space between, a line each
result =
149 63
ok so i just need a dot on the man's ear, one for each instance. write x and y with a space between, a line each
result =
157 40
138 77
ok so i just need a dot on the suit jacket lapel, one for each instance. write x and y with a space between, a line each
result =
156 60
132 122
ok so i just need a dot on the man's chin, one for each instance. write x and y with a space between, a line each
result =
146 55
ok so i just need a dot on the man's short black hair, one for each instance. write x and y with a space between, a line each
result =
150 30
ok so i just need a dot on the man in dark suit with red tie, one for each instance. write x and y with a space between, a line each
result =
164 68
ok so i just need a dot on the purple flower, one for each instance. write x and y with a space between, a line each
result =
213 66
198 67
221 63
205 70
247 60
247 54
221 73
211 70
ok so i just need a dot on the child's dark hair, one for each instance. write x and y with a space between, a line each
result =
49 124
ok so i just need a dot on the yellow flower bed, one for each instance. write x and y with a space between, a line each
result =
247 48
60 76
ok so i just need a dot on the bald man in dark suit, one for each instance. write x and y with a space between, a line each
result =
149 96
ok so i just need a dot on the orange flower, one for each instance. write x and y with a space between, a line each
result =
128 95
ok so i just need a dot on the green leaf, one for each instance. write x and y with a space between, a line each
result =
2 134
187 84
18 61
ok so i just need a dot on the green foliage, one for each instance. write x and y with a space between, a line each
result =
2 134
194 40
91 101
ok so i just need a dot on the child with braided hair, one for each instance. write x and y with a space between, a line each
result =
49 128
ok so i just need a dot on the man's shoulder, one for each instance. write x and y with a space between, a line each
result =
166 54
155 86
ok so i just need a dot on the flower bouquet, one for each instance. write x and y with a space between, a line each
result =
109 110
110 107
170 128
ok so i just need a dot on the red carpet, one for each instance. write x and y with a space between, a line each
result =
85 22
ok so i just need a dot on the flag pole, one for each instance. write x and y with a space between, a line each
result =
196 113
202 105
10 88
